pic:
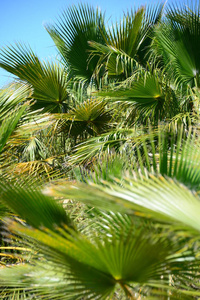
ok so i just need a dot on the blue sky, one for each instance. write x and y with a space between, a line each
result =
23 20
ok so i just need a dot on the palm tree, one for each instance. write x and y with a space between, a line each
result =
123 221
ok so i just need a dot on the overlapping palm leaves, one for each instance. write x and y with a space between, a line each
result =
147 190
14 102
127 43
145 194
145 180
9 124
90 118
164 154
13 108
90 264
49 87
6 129
176 41
13 96
101 266
148 96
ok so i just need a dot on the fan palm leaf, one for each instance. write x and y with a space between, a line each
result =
54 212
147 95
176 41
159 198
114 140
48 80
90 117
76 27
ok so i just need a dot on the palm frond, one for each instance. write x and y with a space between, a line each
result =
176 41
9 124
148 96
90 117
155 197
126 43
34 211
13 96
48 80
76 27
114 140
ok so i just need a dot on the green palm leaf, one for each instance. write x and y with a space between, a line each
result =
48 80
114 140
121 46
90 117
127 43
148 96
9 124
76 27
12 96
157 197
177 41
39 211
175 156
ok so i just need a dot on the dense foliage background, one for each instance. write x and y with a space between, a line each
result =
100 159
